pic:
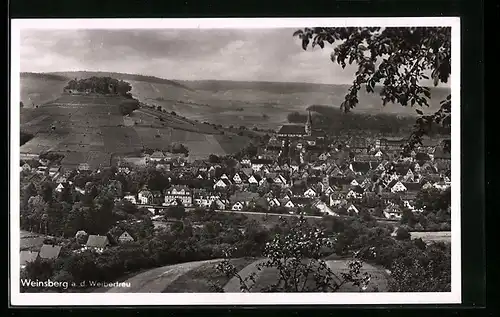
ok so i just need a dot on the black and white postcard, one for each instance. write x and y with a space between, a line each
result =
215 161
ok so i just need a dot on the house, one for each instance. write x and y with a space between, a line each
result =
280 180
360 168
59 188
246 162
322 207
60 179
219 204
412 187
145 197
124 170
41 170
130 198
97 242
258 164
352 208
222 184
84 167
301 201
237 179
176 194
396 186
157 156
392 212
54 170
237 206
274 202
125 237
324 156
355 193
310 193
200 165
354 183
366 183
254 180
288 204
292 131
328 191
407 204
49 252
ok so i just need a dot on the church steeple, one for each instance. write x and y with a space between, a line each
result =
308 126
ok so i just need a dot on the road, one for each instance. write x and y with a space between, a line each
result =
235 212
155 280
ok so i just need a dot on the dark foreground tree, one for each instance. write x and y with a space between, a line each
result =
297 255
398 59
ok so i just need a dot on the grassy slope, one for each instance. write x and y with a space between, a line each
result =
200 279
40 88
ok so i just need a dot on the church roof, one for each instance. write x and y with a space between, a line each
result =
292 129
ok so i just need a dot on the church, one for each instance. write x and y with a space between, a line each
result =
300 131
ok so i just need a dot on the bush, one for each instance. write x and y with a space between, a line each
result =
403 234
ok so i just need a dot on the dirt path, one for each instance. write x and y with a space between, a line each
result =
233 286
155 280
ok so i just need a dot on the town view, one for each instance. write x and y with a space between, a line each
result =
246 160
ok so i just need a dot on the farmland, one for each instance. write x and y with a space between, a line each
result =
90 128
439 236
40 88
260 104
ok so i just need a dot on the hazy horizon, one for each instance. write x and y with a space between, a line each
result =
259 55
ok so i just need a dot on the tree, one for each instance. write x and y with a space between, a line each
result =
212 158
47 192
433 199
420 270
176 212
402 234
296 255
398 58
81 237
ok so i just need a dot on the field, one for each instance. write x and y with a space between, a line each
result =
40 89
200 279
90 128
197 277
440 236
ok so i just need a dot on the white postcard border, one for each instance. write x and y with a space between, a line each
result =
94 299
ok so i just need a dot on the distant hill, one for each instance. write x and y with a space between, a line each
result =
121 76
261 104
46 76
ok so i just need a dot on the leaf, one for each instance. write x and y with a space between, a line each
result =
305 42
298 32
419 111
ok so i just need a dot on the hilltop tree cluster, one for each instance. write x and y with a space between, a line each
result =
101 85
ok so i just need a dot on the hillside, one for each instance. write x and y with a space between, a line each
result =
37 88
120 76
262 104
197 277
92 129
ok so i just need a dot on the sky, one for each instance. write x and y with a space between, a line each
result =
183 54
